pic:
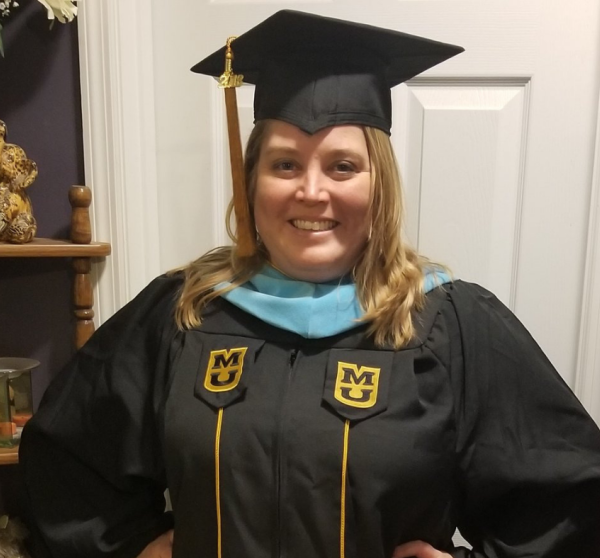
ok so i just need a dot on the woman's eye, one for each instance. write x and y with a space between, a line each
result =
285 166
344 167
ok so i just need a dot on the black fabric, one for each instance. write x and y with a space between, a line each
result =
314 71
477 431
91 457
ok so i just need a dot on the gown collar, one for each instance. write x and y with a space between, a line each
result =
312 310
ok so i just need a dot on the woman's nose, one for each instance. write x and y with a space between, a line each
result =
312 188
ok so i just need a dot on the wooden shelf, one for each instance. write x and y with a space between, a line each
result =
9 456
50 248
82 252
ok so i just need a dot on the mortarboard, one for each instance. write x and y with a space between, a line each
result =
314 72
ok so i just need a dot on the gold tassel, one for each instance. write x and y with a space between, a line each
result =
246 237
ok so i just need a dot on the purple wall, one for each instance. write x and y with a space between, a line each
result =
41 104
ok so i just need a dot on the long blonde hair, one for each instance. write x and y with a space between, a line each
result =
388 275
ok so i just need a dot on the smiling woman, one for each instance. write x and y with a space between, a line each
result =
332 393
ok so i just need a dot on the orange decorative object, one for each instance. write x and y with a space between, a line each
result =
16 403
8 429
20 420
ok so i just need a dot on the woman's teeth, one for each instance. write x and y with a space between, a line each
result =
314 225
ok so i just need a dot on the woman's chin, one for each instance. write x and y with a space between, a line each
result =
313 272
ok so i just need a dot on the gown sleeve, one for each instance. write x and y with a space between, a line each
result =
528 453
91 456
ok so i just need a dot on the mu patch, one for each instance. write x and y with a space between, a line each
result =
356 385
224 370
357 382
223 366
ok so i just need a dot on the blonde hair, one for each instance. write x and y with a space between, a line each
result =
389 274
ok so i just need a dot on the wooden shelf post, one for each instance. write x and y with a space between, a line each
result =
83 300
80 198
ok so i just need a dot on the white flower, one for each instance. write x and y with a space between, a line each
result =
2 6
64 10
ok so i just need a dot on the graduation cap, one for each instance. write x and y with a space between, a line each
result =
314 72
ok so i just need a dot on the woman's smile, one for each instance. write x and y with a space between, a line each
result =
317 226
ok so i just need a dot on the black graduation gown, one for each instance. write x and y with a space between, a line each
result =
274 446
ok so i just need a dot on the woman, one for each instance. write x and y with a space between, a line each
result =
330 394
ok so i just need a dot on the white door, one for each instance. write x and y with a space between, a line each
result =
496 145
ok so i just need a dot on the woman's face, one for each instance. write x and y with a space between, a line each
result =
312 199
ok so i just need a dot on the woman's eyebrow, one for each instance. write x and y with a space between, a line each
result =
279 150
346 154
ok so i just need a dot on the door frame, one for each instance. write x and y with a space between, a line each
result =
119 139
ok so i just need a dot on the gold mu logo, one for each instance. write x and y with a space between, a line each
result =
224 369
357 385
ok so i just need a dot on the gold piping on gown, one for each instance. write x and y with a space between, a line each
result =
343 491
218 480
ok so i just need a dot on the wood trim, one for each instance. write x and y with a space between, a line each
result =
116 66
51 248
9 456
587 379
